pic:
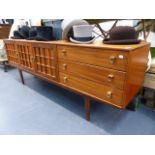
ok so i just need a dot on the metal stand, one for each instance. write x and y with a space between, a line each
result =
87 108
21 76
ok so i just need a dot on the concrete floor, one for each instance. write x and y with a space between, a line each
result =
42 108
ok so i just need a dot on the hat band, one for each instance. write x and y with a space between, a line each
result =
83 38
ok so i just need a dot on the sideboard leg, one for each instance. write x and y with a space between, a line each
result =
87 108
21 76
5 66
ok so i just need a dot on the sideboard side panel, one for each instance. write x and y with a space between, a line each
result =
137 64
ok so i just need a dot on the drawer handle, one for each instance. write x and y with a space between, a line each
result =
110 77
112 59
64 52
109 94
65 79
64 66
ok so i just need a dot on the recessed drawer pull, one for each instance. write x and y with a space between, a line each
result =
112 59
64 66
64 52
65 79
109 94
110 77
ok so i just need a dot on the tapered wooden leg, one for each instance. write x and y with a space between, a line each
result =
87 108
21 76
5 66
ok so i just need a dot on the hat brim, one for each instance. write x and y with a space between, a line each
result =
31 38
16 37
82 42
67 26
39 38
23 36
127 41
83 38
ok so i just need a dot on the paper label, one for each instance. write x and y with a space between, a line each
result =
120 56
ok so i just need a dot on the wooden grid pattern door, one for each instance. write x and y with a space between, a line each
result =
25 55
11 52
45 60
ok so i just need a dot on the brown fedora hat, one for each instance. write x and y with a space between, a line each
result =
122 35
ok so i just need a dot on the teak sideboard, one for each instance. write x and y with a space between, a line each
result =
112 74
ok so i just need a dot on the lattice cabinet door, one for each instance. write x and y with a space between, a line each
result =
11 52
25 55
45 60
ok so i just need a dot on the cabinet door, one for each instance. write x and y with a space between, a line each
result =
45 60
11 52
25 55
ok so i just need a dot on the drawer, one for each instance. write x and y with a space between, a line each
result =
102 92
95 56
97 74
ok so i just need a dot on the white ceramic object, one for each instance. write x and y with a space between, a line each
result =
82 31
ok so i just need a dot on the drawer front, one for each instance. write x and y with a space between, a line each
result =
102 92
95 56
97 74
45 60
11 53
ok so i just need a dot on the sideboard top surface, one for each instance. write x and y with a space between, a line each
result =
96 44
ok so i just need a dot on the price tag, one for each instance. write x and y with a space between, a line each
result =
120 56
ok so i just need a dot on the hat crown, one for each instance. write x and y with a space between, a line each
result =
123 33
67 27
44 33
24 31
82 31
32 32
16 35
44 29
